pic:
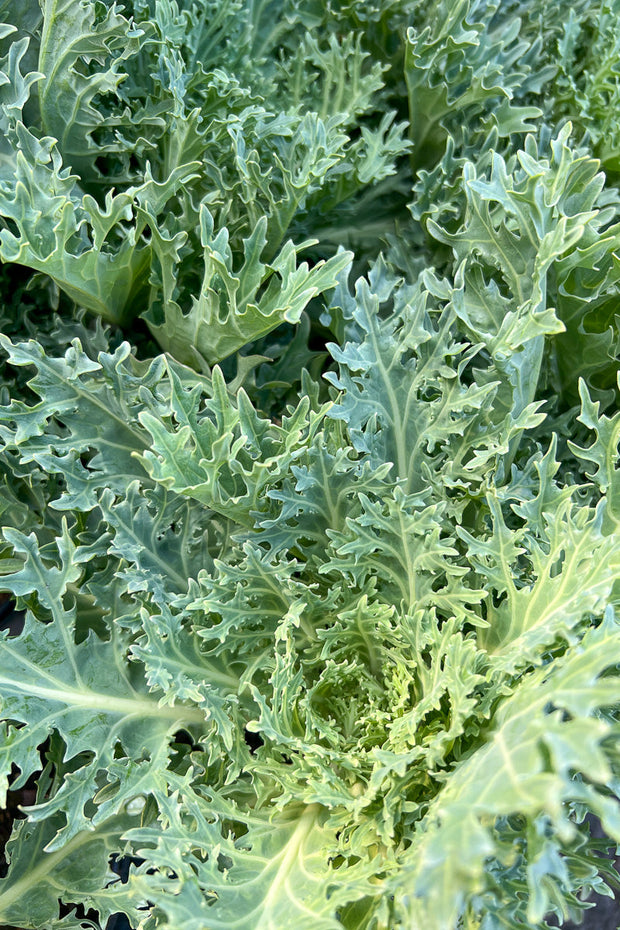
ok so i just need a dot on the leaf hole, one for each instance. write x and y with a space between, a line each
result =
253 740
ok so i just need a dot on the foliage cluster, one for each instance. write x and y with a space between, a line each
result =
308 461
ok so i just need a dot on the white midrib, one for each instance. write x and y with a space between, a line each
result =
123 707
288 859
48 862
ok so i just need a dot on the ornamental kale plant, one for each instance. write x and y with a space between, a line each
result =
308 462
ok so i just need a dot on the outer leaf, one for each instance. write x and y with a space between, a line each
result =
223 453
175 665
278 870
83 691
97 404
535 222
73 34
80 871
16 82
70 237
403 542
465 61
229 311
602 455
553 716
573 570
322 491
406 399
